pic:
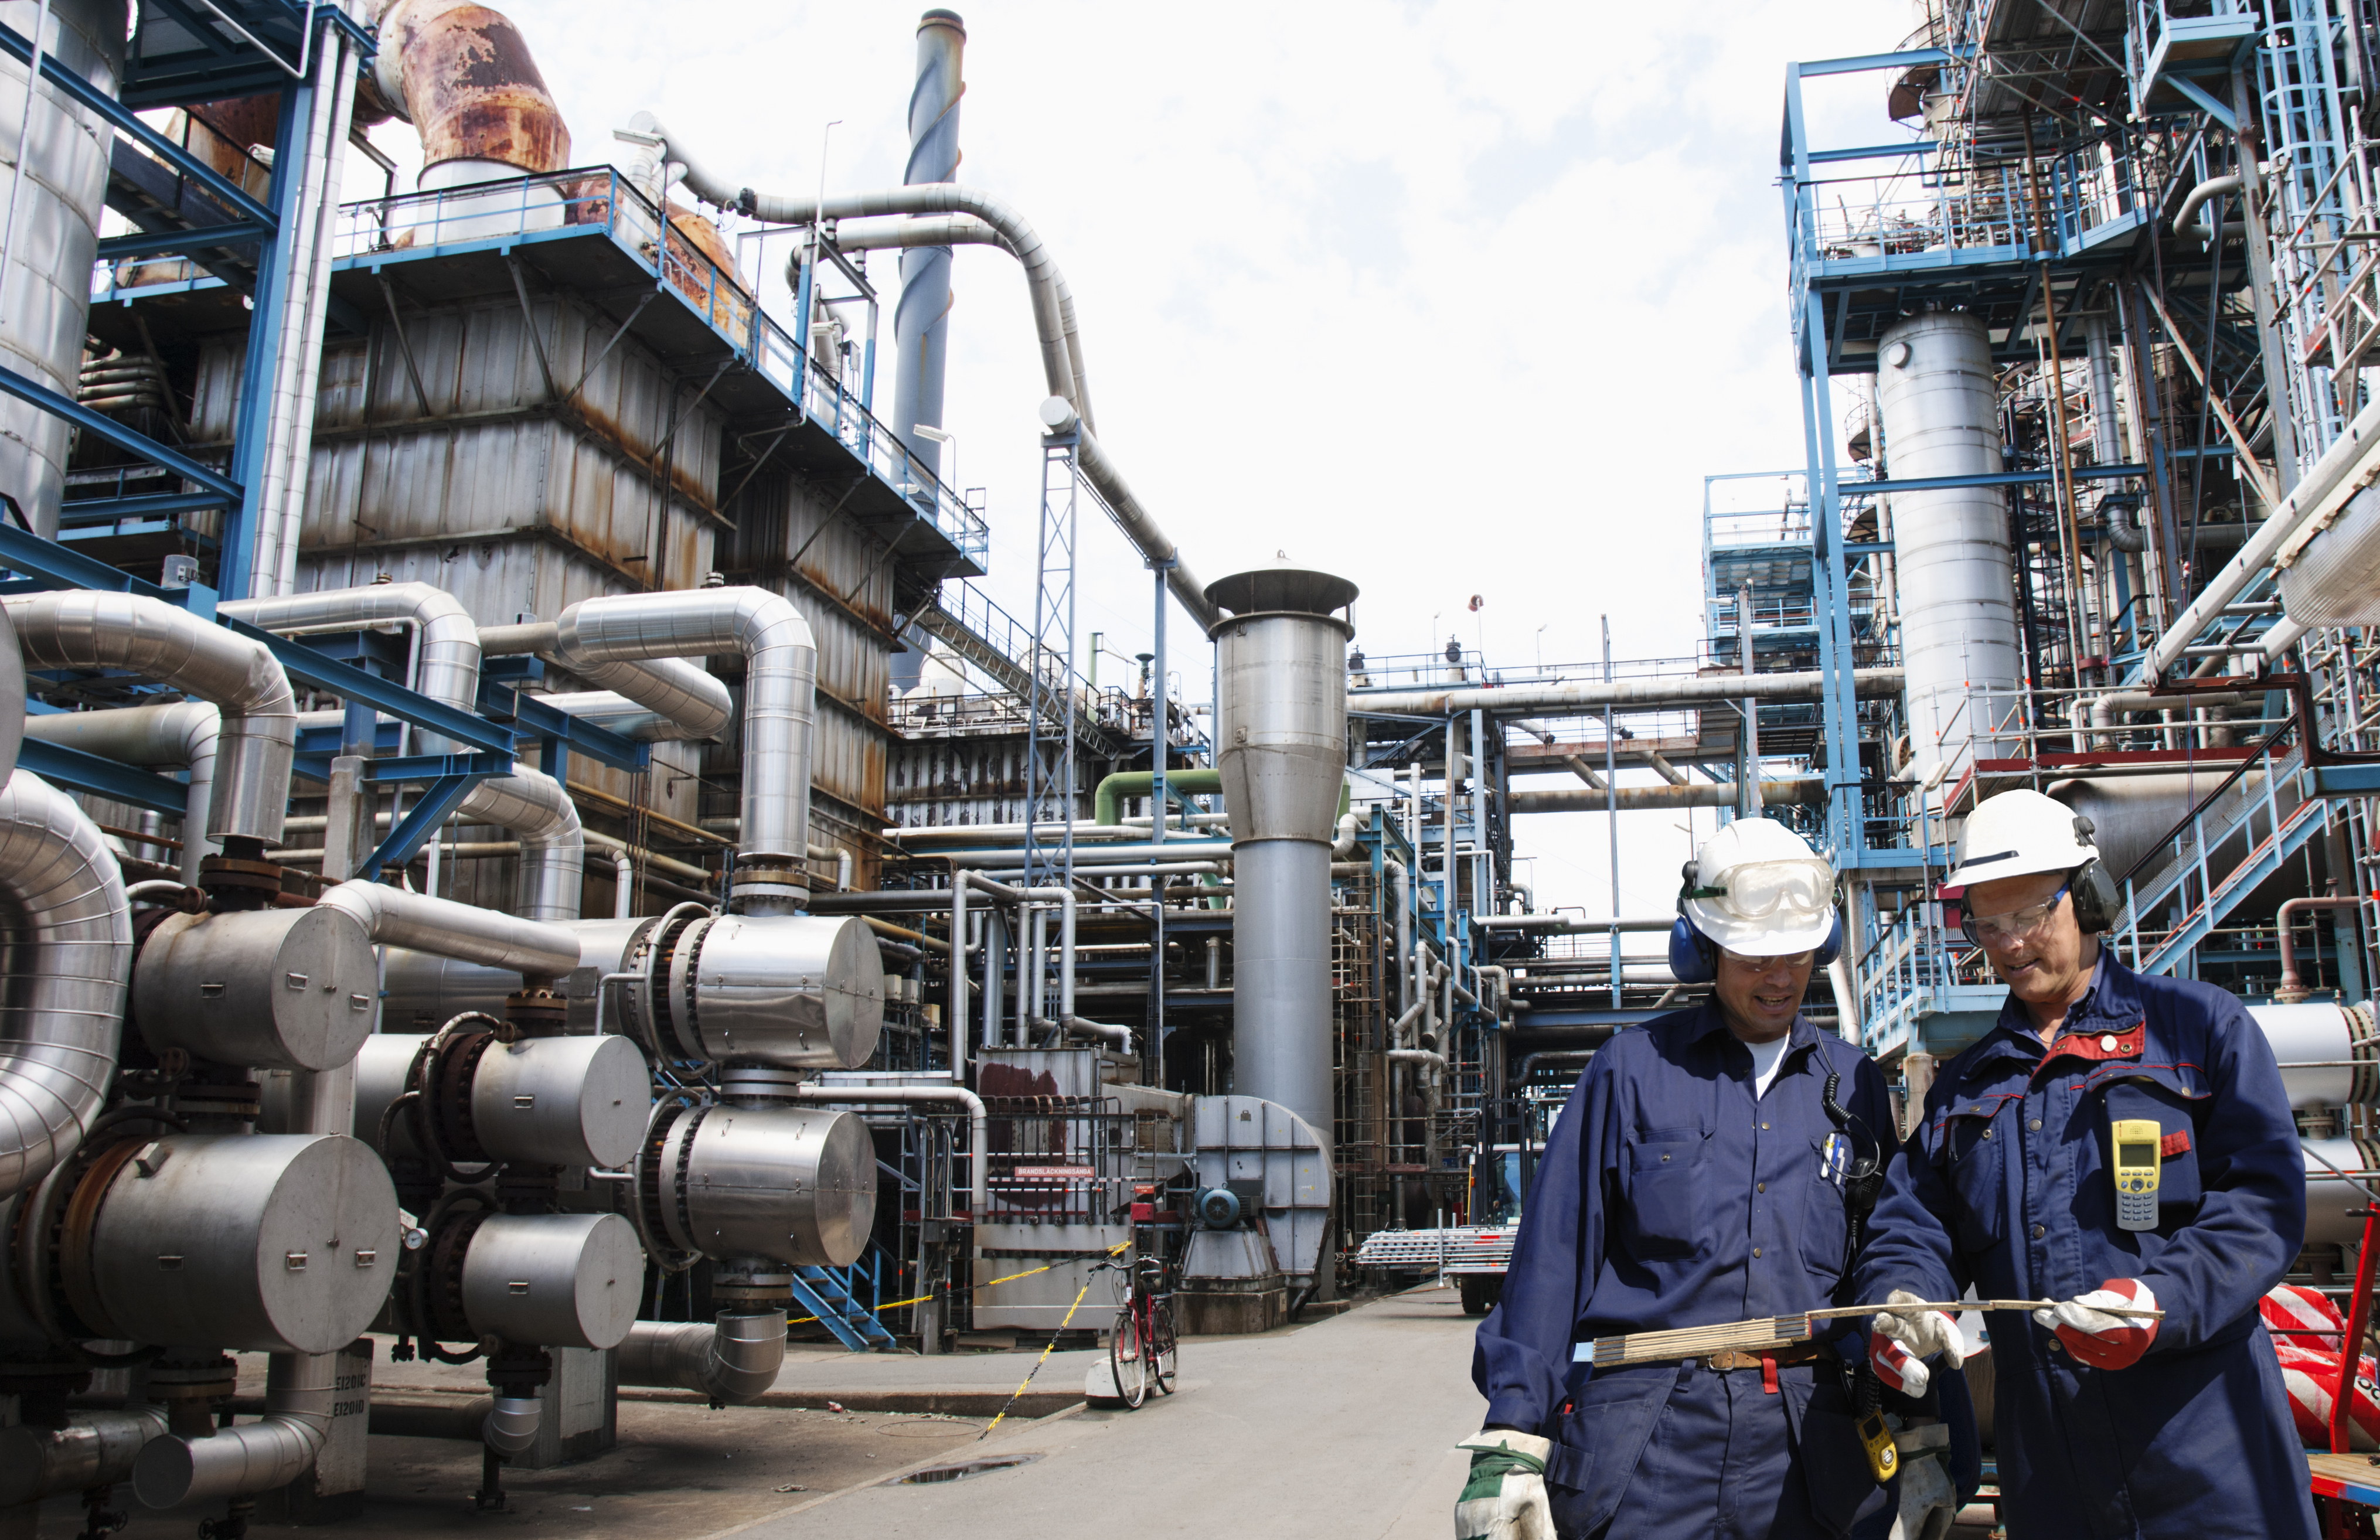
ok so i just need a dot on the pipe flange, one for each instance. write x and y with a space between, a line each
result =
236 1101
441 1295
449 1092
231 882
538 1013
652 1207
192 1380
78 1283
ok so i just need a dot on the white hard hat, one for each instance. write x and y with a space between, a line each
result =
1758 889
2017 834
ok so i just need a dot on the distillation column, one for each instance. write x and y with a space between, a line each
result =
1938 405
1282 732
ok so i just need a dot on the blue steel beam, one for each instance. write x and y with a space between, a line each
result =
112 432
533 718
1855 63
437 805
178 242
77 771
102 510
129 124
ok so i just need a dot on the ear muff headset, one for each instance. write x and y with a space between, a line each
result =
2097 902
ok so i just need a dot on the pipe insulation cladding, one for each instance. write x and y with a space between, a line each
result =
258 741
66 960
575 1100
180 736
265 989
1280 728
55 183
1939 407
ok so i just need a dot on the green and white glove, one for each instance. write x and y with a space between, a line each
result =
1505 1498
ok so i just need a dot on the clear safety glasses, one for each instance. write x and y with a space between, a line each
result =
1758 889
2000 929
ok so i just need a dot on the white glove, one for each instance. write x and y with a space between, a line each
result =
1505 1496
2097 1338
1928 1501
1903 1340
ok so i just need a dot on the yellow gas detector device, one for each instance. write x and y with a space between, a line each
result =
2136 1146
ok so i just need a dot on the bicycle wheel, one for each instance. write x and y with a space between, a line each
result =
1125 1358
1164 1347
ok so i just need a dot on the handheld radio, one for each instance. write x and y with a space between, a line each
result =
2135 1142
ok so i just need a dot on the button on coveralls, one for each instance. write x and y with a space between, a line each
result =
1669 1197
2005 1185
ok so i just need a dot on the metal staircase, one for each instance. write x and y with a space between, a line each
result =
2280 802
829 1298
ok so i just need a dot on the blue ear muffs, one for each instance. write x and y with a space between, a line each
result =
1692 959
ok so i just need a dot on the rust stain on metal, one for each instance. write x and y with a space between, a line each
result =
472 88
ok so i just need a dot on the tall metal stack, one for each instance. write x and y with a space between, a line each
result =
1936 395
1280 721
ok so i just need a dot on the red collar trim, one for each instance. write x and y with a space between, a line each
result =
2099 1046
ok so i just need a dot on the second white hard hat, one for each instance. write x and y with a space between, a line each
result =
2018 833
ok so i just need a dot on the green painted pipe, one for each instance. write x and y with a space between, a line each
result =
1106 802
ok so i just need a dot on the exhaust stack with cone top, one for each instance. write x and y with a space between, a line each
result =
1280 732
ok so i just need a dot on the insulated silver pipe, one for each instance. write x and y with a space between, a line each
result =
683 693
1053 320
246 1457
95 1449
2342 472
617 713
467 934
532 805
81 628
781 673
735 1358
1059 416
447 666
979 1135
183 734
66 936
1803 790
1505 700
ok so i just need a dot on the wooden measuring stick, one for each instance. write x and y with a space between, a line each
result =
1783 1331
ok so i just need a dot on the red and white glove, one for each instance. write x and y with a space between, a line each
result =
1902 1341
2097 1338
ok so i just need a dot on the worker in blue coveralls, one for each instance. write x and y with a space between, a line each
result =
2118 1141
1708 1169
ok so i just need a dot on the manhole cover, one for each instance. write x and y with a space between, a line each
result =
961 1470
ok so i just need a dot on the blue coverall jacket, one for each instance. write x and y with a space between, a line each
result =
1669 1197
2006 1186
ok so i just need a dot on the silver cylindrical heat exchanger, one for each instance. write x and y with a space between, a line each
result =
61 175
2338 1060
550 1102
269 989
553 1280
1281 722
789 1185
786 991
263 1243
1938 402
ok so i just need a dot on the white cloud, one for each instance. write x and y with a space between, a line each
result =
1452 298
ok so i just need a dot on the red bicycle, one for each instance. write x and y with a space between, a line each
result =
1143 1348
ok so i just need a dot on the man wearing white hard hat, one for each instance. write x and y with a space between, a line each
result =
1709 1168
2118 1144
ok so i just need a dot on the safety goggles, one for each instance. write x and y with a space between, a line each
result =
1790 959
1758 889
1995 929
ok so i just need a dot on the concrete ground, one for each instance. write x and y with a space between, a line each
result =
1338 1429
1344 1428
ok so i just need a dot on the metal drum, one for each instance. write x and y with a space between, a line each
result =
790 1185
553 1280
268 989
788 992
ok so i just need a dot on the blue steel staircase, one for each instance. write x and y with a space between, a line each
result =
2287 805
829 1298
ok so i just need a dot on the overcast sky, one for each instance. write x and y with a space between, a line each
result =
1452 299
